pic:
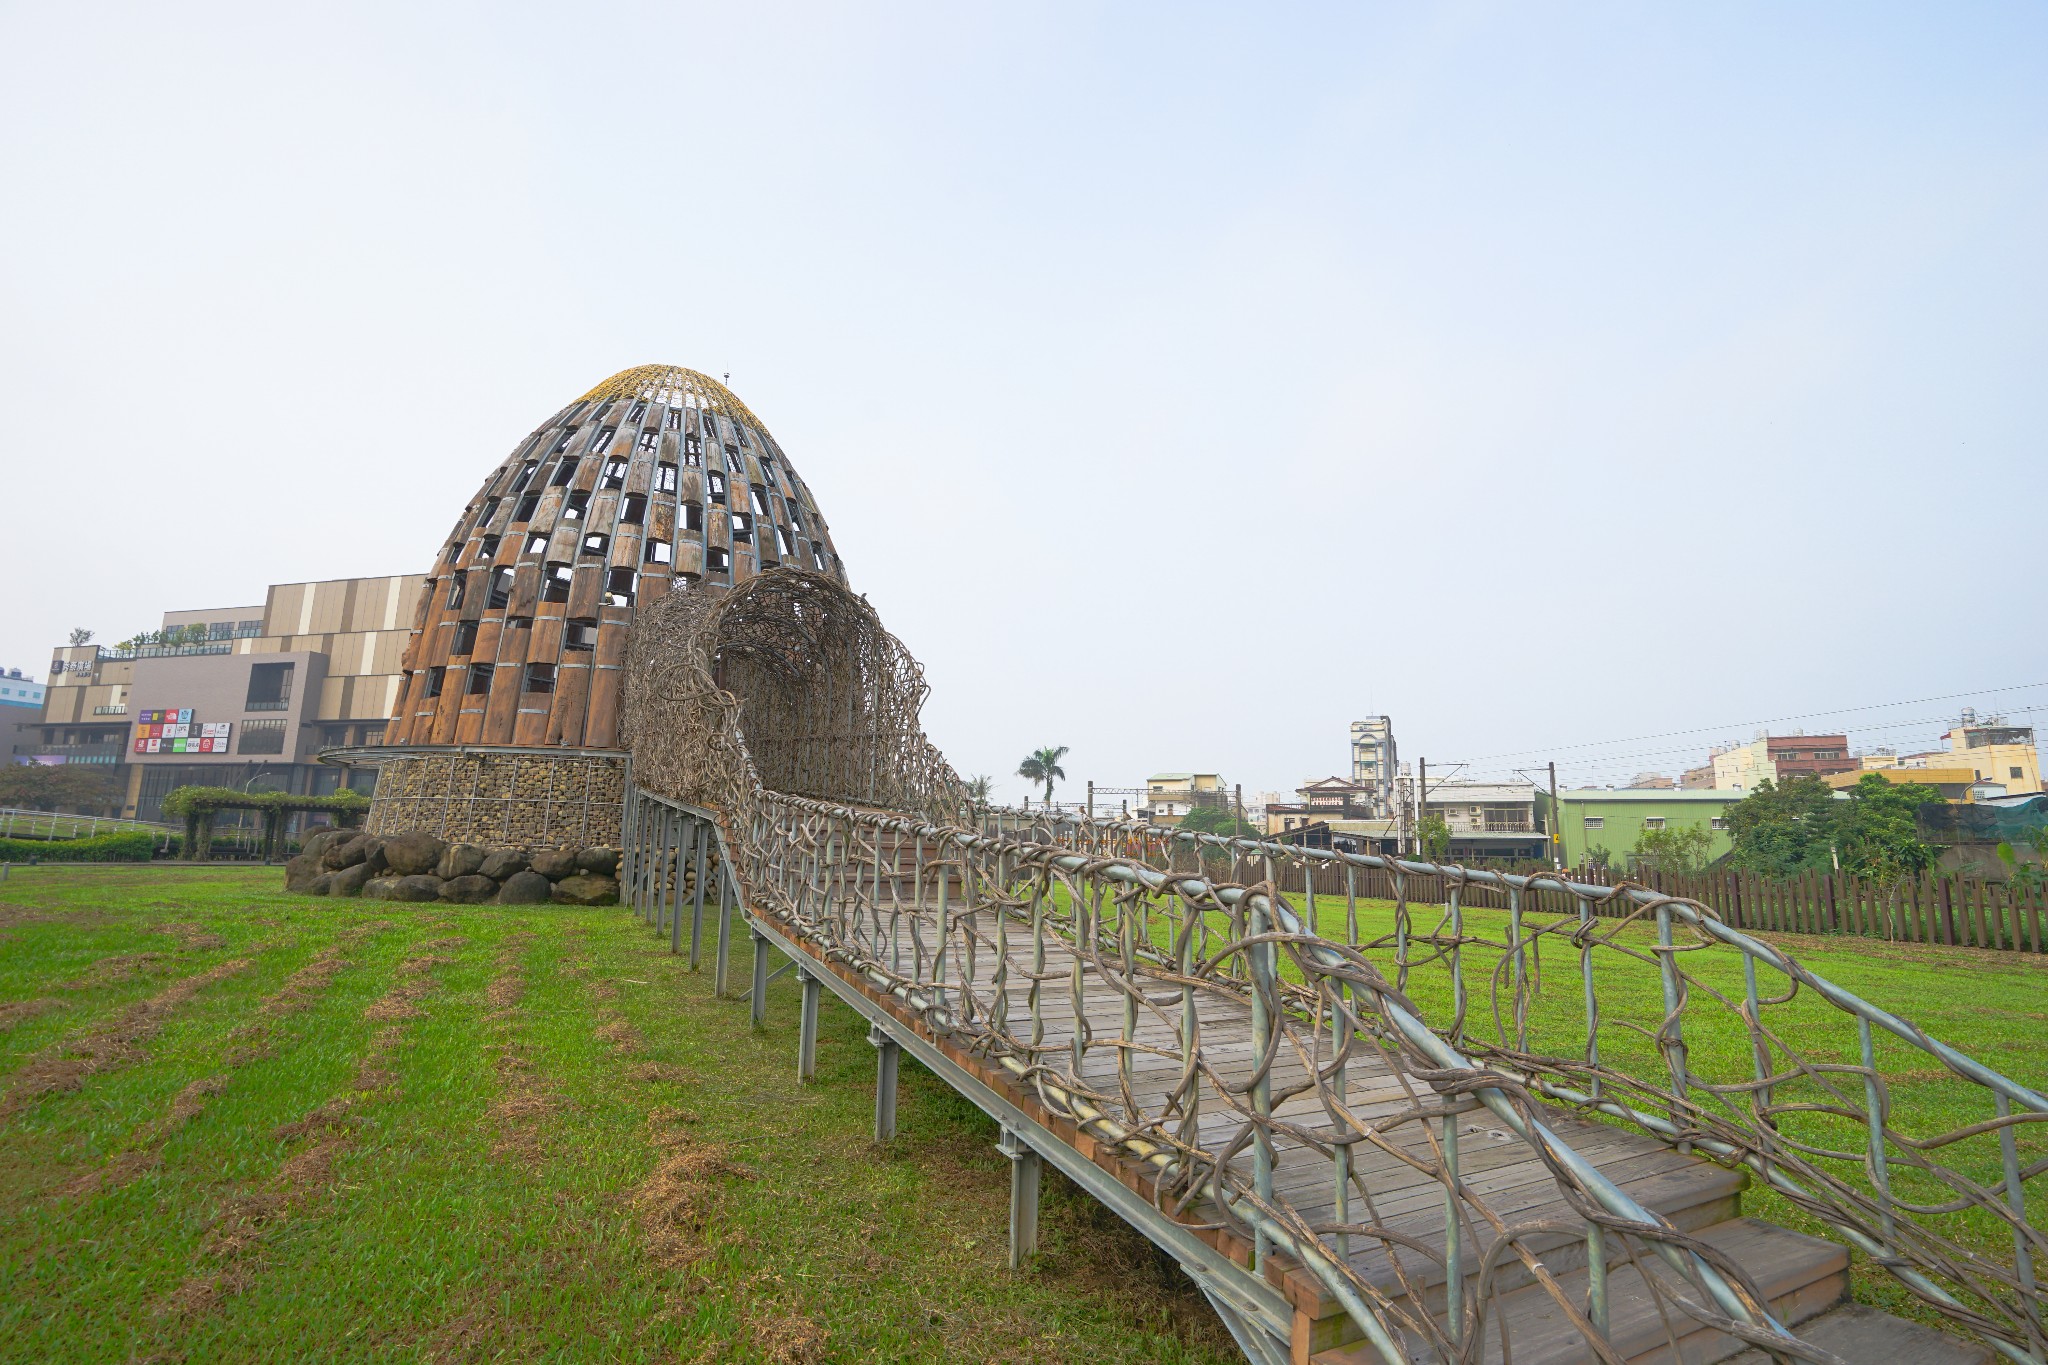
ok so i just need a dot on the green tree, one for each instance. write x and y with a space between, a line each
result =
1783 828
1043 765
80 635
1219 820
1679 848
1435 836
978 788
1877 830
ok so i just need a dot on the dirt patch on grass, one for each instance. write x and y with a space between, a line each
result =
118 1042
113 971
192 938
21 1011
232 1244
786 1337
653 1073
523 1106
143 1151
677 1199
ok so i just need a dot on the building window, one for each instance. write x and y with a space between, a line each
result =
535 543
649 439
664 478
540 678
717 482
693 516
457 585
270 687
674 420
614 475
1596 822
717 557
465 638
633 509
1717 823
2012 772
660 552
528 505
1653 822
501 588
618 587
568 434
742 526
435 676
573 510
479 679
581 634
604 440
524 476
373 734
637 411
565 473
760 498
261 737
596 543
554 582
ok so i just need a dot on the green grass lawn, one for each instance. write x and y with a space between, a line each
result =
242 1125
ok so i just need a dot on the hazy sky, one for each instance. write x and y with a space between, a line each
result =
1181 381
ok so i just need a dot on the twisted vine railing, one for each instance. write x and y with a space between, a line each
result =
1800 1083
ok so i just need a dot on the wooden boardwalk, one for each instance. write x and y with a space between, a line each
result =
1802 1276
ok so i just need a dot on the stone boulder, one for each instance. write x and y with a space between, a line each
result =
525 887
415 887
355 847
468 889
350 880
601 860
587 888
301 872
319 885
460 860
500 863
413 855
554 863
317 843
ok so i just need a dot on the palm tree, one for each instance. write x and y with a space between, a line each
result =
978 787
1043 765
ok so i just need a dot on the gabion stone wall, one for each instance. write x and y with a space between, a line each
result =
507 799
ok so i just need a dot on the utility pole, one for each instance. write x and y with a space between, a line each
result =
1421 799
1556 823
1091 798
1237 830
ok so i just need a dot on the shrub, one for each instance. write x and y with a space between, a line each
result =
122 846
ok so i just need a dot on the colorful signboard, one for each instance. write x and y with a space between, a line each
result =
173 731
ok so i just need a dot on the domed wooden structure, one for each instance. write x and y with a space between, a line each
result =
658 480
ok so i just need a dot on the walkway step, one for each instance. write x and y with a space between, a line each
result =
1858 1334
1802 1277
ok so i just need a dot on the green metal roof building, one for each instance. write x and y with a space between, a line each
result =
1599 817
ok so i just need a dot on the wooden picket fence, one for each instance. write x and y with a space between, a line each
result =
1954 911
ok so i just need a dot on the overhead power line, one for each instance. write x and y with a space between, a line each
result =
1772 720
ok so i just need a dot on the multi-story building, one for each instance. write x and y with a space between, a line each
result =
1323 799
1169 796
19 692
1775 758
1609 822
234 696
1373 763
1994 751
1489 819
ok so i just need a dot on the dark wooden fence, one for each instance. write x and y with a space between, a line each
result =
1956 911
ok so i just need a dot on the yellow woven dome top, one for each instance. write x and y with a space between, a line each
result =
671 384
